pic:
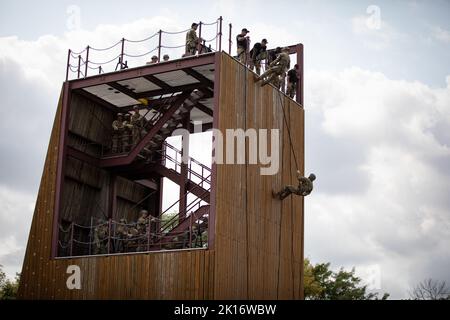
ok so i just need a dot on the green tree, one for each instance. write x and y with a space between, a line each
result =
8 288
321 283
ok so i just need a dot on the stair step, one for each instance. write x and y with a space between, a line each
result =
152 144
177 117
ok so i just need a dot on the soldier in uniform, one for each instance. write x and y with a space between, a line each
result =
118 129
137 126
273 54
127 130
153 61
242 43
131 242
142 223
121 234
100 237
192 40
304 188
257 54
293 78
276 69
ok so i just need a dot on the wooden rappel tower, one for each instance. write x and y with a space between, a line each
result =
224 236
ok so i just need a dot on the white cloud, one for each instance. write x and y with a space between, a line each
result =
398 219
440 34
15 216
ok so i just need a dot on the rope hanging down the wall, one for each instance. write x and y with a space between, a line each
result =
288 130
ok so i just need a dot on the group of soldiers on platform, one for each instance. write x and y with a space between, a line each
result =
128 129
123 237
278 62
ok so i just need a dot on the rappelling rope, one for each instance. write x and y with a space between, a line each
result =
288 129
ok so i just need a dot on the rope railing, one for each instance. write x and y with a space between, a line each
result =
140 55
107 241
176 32
85 61
143 40
105 49
103 63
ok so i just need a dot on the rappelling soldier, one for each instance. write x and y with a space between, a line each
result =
242 43
304 188
276 69
118 130
273 54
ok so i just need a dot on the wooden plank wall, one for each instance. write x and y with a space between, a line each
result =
174 275
259 240
258 249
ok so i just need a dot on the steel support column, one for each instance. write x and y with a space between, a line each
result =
184 168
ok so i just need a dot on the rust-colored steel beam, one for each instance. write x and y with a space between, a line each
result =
123 90
157 81
97 100
204 109
188 87
199 77
130 73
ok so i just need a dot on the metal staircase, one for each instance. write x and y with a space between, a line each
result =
163 123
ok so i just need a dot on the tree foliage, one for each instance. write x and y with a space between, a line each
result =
8 288
321 283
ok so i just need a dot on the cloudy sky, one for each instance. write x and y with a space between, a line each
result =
377 107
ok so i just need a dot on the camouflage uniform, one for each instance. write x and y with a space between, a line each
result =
242 43
131 242
126 137
142 223
304 188
277 69
292 82
121 234
258 54
137 127
118 130
192 41
100 235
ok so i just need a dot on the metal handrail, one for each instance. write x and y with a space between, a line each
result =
160 33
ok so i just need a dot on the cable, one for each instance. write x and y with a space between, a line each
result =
78 53
288 130
137 41
140 55
210 24
211 40
178 32
102 63
177 47
104 49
